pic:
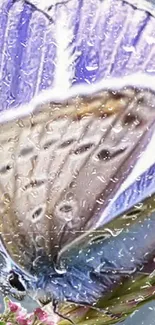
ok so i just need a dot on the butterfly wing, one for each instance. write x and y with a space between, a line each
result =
61 166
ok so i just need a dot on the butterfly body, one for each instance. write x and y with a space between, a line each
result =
98 268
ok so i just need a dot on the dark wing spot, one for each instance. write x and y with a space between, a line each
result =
25 151
5 169
66 143
82 149
118 152
131 119
48 144
35 184
37 213
117 95
106 155
66 208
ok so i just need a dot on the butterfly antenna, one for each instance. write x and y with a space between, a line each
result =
55 309
56 258
58 3
48 9
36 8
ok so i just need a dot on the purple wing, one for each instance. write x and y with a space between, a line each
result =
143 187
83 42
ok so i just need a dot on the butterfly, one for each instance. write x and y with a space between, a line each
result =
62 171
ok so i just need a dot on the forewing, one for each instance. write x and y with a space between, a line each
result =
61 166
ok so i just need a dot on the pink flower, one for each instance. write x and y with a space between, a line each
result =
9 323
43 316
22 320
40 314
13 307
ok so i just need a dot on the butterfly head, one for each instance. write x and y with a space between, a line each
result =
11 282
42 282
14 281
36 278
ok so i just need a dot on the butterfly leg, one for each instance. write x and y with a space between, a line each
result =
108 313
125 272
56 259
55 309
108 270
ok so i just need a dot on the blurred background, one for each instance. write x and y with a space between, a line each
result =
144 316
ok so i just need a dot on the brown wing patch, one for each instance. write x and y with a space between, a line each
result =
59 166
